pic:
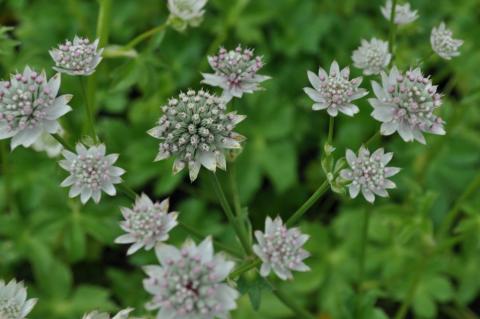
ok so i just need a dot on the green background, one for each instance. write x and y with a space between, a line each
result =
65 252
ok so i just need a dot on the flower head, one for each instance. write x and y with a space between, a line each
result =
91 172
124 314
403 13
77 57
196 129
280 249
13 300
369 173
443 43
372 56
335 91
184 13
190 283
235 72
405 103
146 224
46 143
29 106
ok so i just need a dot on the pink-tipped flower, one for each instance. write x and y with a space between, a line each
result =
77 57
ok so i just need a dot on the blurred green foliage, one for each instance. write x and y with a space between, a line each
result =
65 252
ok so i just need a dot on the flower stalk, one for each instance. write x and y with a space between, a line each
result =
392 31
297 215
145 35
89 112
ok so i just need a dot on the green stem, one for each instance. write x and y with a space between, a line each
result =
89 113
309 203
288 301
239 230
145 35
249 265
331 125
192 231
127 190
392 31
9 205
64 143
372 139
363 246
237 206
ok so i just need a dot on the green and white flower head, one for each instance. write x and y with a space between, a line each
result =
147 224
184 13
91 172
46 143
29 106
372 56
280 249
235 72
196 130
334 91
77 57
443 42
190 282
405 103
369 173
13 300
124 314
403 13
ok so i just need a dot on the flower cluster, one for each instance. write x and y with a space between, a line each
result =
280 249
235 72
184 13
443 42
146 224
405 103
372 56
77 57
189 283
403 13
124 314
13 300
369 173
29 106
91 172
196 129
335 92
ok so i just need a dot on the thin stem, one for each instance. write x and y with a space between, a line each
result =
372 138
64 143
192 231
145 35
309 203
88 111
363 246
237 206
393 30
249 265
239 230
9 204
331 125
288 301
127 190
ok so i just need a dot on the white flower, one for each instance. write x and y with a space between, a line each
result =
124 314
147 224
403 13
13 300
46 143
369 173
184 13
335 91
235 72
190 283
372 57
280 249
91 172
29 106
443 42
77 57
405 103
196 129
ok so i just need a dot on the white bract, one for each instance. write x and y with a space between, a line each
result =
13 300
91 172
235 72
334 91
443 42
190 282
372 56
46 143
77 57
184 13
196 129
405 103
280 249
369 173
29 106
403 13
147 224
124 314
